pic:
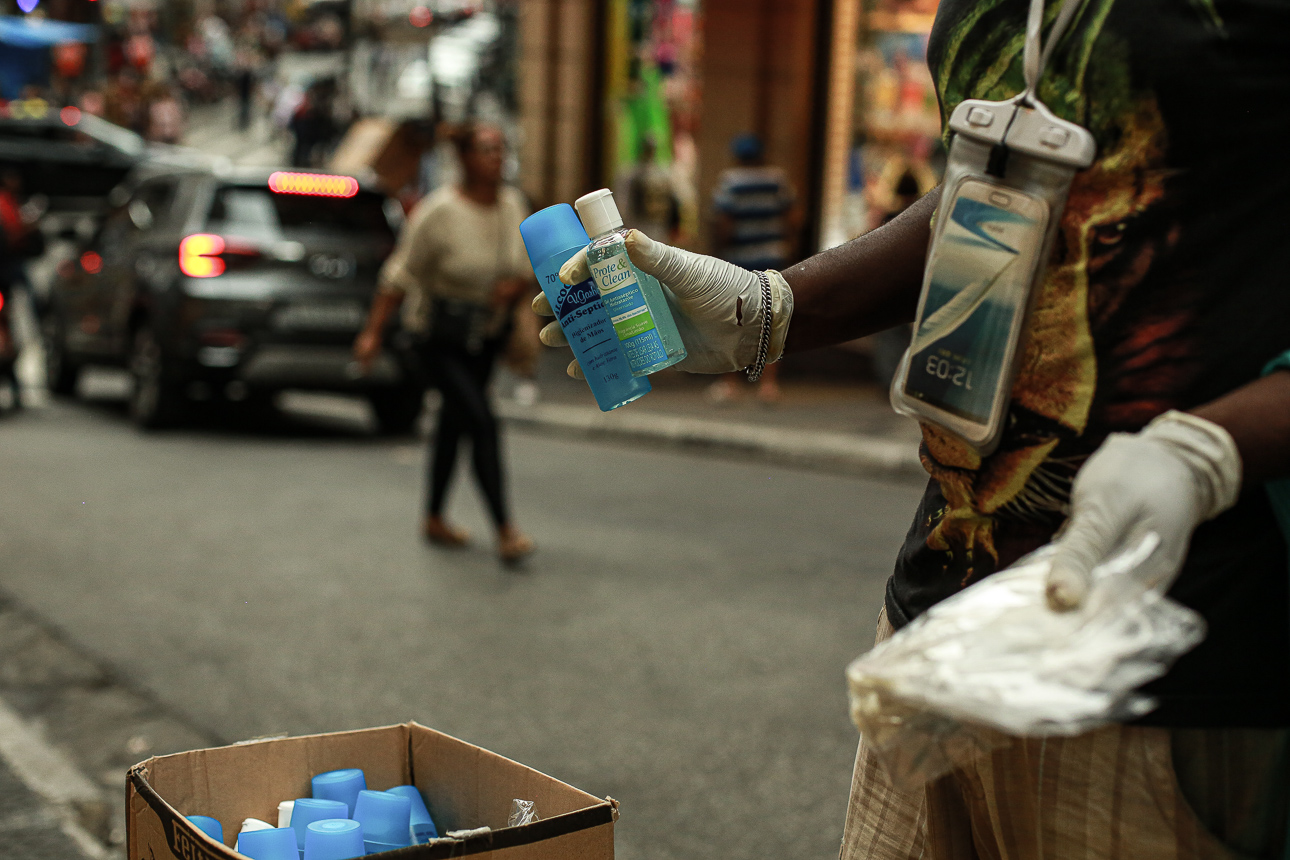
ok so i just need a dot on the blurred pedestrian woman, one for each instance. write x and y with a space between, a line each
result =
458 271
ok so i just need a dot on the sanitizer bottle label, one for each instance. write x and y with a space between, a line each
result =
628 312
588 330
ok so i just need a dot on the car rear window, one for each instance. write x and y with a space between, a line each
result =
251 210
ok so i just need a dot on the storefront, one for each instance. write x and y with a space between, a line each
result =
883 146
837 89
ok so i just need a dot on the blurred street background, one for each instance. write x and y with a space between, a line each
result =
185 563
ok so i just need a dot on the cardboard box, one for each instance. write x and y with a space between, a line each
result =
379 147
464 786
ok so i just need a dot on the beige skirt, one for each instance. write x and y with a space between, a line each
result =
1115 793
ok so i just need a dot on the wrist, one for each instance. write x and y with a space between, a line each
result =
1208 450
781 307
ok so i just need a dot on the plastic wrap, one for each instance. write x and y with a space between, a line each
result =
993 662
522 812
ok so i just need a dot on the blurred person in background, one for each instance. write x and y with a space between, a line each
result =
313 124
1152 397
124 103
649 201
752 206
165 113
20 241
458 271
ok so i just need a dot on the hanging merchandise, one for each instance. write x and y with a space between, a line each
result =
1010 167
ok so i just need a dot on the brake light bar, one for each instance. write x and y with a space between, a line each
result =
199 255
313 184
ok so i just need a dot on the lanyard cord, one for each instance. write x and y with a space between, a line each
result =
1036 58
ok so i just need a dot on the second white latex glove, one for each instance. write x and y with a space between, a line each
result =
1170 477
718 306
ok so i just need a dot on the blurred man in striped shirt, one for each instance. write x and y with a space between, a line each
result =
753 207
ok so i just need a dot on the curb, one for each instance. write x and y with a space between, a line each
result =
48 773
864 456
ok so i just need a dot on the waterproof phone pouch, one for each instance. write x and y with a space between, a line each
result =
1010 167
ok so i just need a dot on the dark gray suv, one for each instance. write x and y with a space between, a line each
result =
214 284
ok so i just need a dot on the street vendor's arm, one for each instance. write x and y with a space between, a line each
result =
865 286
1257 416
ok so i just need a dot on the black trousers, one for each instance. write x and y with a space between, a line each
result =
462 378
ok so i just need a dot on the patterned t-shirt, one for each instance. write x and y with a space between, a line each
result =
1169 286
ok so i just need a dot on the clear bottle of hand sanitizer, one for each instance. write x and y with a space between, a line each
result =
634 300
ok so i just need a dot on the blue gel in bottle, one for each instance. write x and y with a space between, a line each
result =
551 237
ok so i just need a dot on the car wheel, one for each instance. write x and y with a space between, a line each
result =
61 373
156 400
397 411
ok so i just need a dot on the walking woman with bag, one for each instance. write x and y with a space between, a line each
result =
458 271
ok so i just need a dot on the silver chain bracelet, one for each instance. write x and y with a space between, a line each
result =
763 344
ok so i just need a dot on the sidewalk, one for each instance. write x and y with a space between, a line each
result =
69 730
842 427
39 798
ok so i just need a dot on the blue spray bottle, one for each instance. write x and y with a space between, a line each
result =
551 237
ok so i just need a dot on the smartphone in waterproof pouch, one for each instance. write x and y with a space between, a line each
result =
1006 180
973 306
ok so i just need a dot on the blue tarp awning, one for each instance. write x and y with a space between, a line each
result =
21 32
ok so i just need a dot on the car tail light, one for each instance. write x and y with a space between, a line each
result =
199 255
313 184
91 262
205 255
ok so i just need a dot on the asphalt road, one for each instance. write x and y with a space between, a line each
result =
678 642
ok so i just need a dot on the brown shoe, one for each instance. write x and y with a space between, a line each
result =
513 546
439 533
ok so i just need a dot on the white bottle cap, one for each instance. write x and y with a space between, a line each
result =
285 808
598 212
249 825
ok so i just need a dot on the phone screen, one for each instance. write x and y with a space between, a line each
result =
977 292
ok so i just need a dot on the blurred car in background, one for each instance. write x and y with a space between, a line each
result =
67 163
229 284
73 158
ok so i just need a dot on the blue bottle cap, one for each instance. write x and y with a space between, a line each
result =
343 785
210 826
310 809
334 839
555 228
423 829
385 817
276 843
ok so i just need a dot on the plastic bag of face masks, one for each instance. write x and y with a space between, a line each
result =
993 662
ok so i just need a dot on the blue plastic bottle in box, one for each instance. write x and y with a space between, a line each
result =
551 237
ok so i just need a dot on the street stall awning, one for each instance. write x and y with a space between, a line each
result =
20 32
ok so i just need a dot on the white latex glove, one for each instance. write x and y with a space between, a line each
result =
1175 474
717 305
